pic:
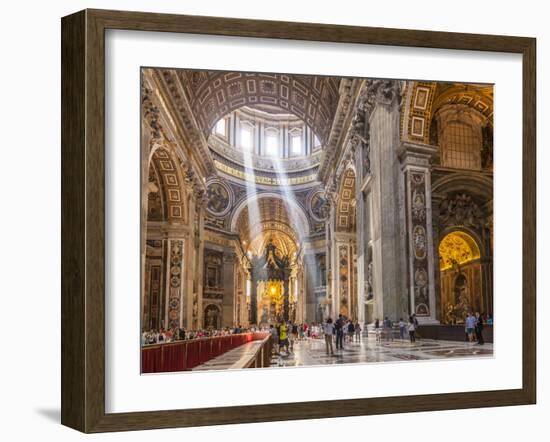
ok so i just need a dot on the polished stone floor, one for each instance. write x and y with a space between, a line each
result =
312 352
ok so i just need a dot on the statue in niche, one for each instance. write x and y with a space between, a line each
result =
450 314
368 285
195 309
211 316
462 298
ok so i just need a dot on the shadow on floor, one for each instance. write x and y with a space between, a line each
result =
52 414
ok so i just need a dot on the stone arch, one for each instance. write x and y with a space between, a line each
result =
461 274
301 221
479 185
170 184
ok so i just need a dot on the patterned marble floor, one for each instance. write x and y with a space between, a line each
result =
312 352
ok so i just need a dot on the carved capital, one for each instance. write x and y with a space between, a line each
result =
151 113
381 92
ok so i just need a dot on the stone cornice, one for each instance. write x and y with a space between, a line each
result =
349 90
410 153
186 132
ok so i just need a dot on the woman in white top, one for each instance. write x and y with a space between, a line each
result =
411 329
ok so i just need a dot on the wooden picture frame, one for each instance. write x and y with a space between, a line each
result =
83 220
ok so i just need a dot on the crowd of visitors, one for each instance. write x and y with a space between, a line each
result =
161 336
335 333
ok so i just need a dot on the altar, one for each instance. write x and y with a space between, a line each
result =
270 302
270 275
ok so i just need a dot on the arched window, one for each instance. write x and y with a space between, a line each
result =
246 135
461 146
316 142
459 135
272 143
296 144
221 128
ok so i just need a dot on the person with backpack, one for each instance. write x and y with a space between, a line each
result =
283 337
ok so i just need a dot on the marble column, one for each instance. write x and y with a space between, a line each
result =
436 235
389 267
420 235
228 284
174 287
286 295
253 298
195 262
309 286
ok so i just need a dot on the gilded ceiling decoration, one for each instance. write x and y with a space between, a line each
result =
457 248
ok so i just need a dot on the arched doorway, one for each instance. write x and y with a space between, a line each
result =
461 276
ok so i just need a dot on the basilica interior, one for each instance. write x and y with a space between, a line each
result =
269 197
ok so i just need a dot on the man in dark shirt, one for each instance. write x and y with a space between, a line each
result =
339 327
479 329
181 334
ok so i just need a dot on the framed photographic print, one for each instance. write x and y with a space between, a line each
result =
266 221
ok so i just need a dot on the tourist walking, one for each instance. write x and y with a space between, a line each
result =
351 331
377 329
283 337
412 329
328 330
275 336
294 335
470 326
339 326
387 324
357 329
479 329
401 329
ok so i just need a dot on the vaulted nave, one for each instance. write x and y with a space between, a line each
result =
278 198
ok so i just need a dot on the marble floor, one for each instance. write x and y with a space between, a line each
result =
311 352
